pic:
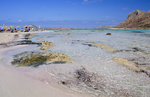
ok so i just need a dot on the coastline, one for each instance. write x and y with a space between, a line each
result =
132 28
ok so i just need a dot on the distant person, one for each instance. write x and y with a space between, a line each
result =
15 30
26 29
1 29
12 30
32 29
29 29
21 29
9 29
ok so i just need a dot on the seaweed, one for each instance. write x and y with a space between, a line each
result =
94 83
137 32
34 61
28 42
100 45
131 65
38 58
45 45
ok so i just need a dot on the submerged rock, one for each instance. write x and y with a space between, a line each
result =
108 33
28 36
39 58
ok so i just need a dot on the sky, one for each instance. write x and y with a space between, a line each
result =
70 13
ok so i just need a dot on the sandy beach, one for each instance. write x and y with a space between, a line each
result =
98 66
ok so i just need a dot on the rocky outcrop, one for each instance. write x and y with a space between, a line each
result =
136 20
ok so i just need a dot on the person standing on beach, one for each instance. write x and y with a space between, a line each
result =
12 30
26 29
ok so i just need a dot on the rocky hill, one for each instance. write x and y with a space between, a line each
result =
136 20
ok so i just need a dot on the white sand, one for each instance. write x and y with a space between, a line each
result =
16 84
7 37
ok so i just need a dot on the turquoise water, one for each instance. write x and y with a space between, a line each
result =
142 30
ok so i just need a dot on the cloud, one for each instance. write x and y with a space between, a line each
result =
20 20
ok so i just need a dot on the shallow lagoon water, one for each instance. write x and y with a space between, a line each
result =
95 59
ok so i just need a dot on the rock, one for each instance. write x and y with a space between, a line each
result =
108 33
136 20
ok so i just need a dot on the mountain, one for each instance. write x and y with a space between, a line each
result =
136 20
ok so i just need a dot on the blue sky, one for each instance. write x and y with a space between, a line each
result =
73 13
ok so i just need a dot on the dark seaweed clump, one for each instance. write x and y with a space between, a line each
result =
94 84
133 49
26 42
29 59
137 32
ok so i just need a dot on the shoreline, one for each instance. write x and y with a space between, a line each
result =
130 28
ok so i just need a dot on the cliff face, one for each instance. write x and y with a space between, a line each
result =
136 19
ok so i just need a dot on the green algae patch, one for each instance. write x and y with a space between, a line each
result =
58 58
38 39
46 45
38 58
127 63
130 65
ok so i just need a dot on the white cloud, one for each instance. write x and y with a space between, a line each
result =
20 20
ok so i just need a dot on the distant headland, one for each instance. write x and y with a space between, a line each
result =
136 20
